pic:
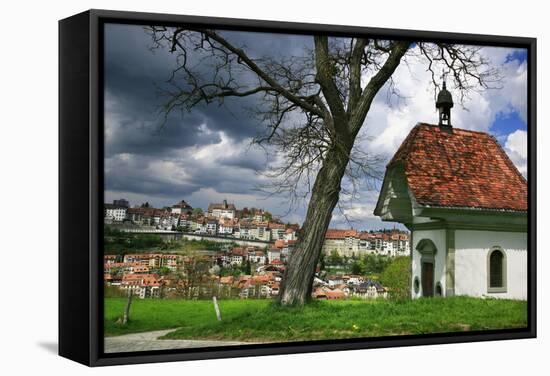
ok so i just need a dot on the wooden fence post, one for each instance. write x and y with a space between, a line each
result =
217 308
127 309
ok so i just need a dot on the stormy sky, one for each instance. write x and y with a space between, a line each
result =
206 156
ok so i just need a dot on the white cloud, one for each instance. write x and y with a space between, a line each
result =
516 147
358 212
517 142
513 94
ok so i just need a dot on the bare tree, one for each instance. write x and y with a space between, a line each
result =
311 106
195 268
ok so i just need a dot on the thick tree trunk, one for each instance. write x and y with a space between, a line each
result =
300 270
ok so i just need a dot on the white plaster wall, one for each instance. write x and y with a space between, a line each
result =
417 219
438 237
472 248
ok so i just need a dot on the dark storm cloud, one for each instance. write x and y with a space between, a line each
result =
134 74
135 135
134 126
256 164
274 45
136 173
137 182
223 179
177 177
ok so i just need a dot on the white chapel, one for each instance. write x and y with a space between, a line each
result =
465 203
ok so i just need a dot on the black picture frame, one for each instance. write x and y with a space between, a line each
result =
81 188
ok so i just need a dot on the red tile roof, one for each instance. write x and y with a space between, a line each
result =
237 251
460 168
366 236
341 234
278 226
227 280
279 244
336 294
261 278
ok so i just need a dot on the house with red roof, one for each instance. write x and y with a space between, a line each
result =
334 294
275 288
143 285
290 234
274 253
319 293
465 203
278 230
344 242
222 210
181 207
257 256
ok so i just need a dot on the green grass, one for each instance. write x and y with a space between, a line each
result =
157 314
261 320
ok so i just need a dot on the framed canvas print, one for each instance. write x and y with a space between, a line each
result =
236 187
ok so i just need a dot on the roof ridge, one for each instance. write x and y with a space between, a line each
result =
456 129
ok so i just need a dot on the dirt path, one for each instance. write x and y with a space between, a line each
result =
149 341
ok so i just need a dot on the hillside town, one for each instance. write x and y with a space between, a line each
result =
156 275
239 271
225 220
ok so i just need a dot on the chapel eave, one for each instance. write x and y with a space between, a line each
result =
397 203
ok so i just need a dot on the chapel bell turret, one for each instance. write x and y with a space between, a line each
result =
444 104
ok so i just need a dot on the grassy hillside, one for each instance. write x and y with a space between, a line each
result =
261 320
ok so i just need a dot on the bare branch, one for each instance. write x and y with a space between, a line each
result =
325 77
398 50
356 57
465 64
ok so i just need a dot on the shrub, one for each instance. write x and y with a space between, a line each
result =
396 277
